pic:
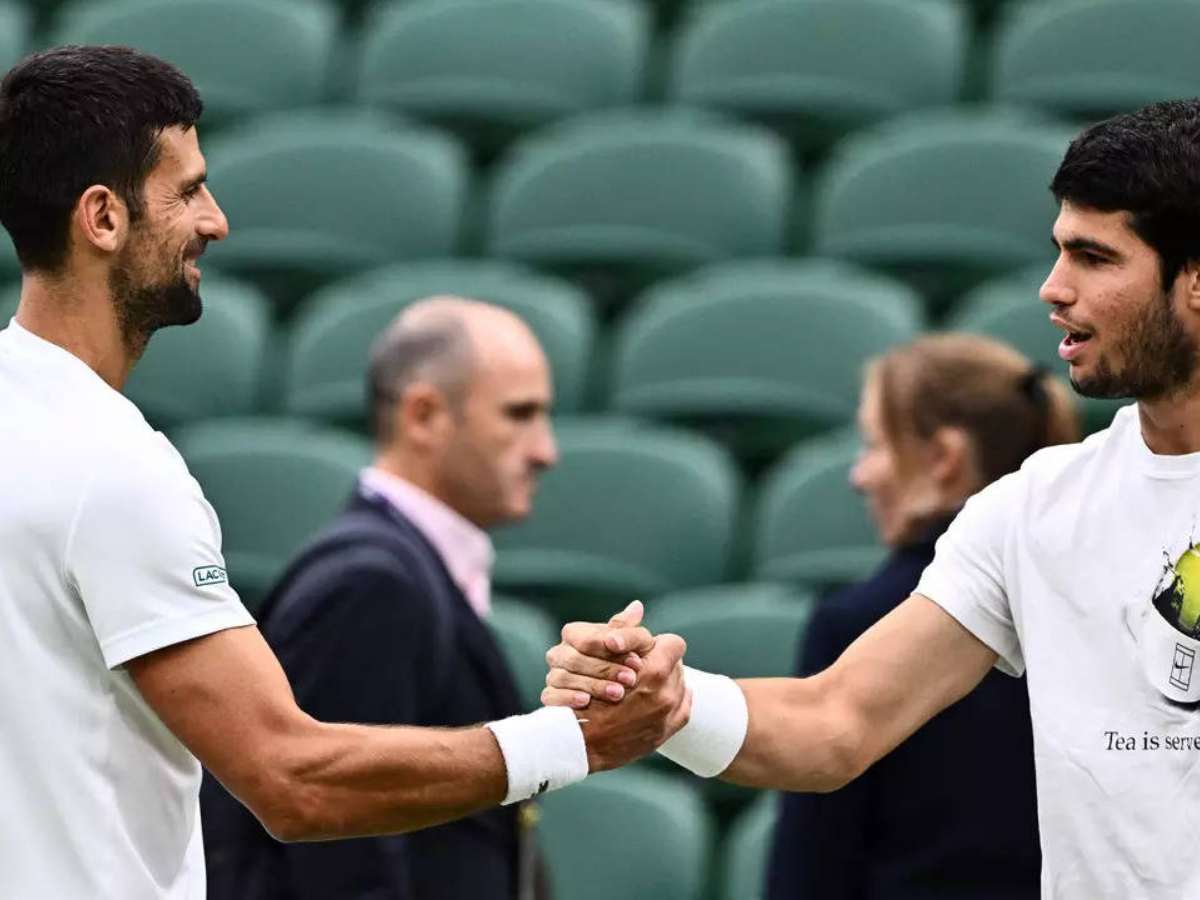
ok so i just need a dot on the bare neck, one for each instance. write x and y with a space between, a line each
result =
1171 426
81 320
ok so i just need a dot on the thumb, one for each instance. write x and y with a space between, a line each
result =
629 617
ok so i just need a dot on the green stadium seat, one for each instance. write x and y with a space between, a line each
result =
759 354
745 851
809 525
524 633
10 297
1089 59
623 198
813 69
274 485
333 332
740 630
944 200
320 195
210 369
245 56
1008 309
629 833
15 23
630 510
485 69
10 266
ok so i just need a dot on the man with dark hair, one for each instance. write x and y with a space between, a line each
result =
1082 567
126 654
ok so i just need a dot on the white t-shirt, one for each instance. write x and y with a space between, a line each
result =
1054 567
108 550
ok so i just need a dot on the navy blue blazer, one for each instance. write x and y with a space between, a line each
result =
371 628
950 813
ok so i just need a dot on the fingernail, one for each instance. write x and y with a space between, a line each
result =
634 662
615 643
614 691
627 678
581 700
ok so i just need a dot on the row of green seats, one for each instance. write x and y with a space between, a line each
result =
815 69
619 200
633 509
640 833
757 354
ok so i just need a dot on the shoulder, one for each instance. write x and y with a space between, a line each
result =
1053 463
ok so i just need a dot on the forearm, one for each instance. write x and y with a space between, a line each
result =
796 740
354 780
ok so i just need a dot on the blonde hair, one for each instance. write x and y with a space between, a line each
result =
1008 407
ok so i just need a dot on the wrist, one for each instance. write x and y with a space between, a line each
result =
542 750
708 744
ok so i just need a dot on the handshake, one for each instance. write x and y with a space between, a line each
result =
626 685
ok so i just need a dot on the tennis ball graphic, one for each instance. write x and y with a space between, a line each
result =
1179 604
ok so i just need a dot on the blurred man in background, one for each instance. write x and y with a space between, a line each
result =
381 618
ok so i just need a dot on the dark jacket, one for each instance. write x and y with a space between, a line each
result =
950 813
370 628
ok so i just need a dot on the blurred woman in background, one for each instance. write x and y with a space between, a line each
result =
951 812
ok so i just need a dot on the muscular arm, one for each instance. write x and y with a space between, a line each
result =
226 697
818 733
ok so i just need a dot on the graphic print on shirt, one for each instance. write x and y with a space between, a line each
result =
1176 598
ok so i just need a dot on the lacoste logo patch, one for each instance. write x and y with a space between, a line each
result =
205 576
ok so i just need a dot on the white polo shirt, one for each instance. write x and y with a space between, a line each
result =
108 550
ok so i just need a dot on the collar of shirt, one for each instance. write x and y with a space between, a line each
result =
465 548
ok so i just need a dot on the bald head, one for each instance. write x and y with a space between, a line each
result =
443 342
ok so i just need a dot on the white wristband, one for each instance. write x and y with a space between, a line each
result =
543 751
714 734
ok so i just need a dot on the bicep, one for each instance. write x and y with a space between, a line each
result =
817 733
227 699
908 667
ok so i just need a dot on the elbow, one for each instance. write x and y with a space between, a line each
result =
285 803
847 755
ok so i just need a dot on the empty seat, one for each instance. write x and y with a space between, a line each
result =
329 194
211 368
740 630
1008 309
10 297
10 266
639 194
809 525
813 69
485 68
524 633
15 22
274 485
630 510
330 341
1093 58
626 833
759 353
245 56
745 851
944 200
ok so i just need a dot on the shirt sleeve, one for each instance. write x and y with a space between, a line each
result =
967 576
144 553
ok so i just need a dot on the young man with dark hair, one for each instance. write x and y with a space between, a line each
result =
126 654
1082 568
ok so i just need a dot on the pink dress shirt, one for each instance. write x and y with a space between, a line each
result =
465 549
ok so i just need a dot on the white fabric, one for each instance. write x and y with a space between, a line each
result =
543 751
1055 568
108 550
716 729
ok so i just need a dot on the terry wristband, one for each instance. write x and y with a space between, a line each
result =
714 734
543 751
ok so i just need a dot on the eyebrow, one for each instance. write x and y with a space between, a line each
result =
1082 244
195 182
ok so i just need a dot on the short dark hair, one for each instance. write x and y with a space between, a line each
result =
1146 162
72 117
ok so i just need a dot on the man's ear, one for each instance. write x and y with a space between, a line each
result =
422 414
101 219
1191 283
